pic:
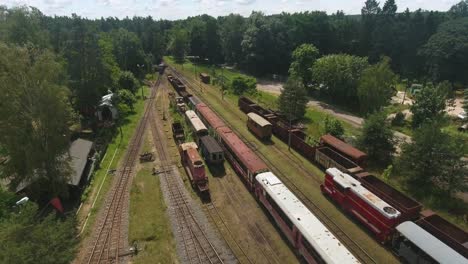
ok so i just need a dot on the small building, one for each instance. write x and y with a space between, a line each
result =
106 111
205 78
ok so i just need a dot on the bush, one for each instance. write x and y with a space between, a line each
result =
128 81
241 84
399 119
333 127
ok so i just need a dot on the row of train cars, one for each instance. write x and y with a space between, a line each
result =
395 219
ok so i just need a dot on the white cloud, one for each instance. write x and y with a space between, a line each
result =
245 2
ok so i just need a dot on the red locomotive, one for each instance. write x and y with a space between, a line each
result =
194 167
373 212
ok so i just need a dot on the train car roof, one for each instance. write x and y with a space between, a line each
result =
194 100
188 145
319 237
346 181
258 119
195 121
251 160
430 244
211 117
211 144
343 147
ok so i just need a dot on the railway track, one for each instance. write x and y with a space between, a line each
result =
196 243
109 242
339 232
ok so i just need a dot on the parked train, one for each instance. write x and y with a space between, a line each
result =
194 166
411 242
311 239
331 152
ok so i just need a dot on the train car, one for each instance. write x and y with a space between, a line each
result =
259 126
311 239
178 132
196 124
329 158
445 231
204 77
247 106
193 101
409 208
211 150
244 161
194 167
353 154
209 117
415 245
377 215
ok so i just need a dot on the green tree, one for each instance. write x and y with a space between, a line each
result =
128 50
429 104
333 127
178 44
232 30
128 81
241 84
459 10
377 139
293 99
36 118
303 58
376 86
446 52
26 238
433 161
338 76
126 97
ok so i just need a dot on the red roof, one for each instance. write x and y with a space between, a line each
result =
253 163
193 155
343 147
209 116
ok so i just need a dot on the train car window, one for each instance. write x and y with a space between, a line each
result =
234 157
278 210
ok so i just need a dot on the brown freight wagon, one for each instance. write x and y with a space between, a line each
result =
297 140
329 158
205 78
248 106
409 208
259 126
345 149
448 233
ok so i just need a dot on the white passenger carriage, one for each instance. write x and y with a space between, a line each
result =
416 245
304 231
196 124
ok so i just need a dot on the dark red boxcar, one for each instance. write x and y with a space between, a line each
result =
377 215
345 149
329 158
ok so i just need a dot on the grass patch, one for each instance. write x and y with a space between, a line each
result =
149 224
118 145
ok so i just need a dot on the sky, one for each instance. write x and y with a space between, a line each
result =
179 9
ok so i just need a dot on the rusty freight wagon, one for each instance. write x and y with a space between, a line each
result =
248 106
409 208
448 233
178 132
329 158
205 78
259 126
353 154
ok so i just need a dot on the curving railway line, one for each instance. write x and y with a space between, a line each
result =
197 245
338 231
108 244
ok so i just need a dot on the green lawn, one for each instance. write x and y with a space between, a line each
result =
149 224
117 146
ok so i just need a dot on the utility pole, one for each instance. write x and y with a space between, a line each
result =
290 115
139 67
